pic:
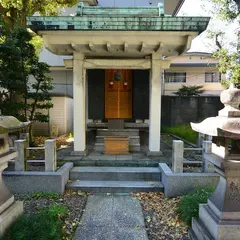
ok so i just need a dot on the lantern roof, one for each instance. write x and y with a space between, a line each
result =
227 123
11 124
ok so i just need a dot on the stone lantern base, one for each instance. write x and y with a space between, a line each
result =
9 215
219 219
9 209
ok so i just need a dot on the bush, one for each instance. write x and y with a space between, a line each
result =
189 91
188 206
45 225
183 131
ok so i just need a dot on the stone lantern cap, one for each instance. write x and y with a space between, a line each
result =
11 124
227 123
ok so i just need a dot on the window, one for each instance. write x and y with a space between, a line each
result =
212 77
175 77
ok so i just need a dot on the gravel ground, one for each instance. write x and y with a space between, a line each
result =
75 202
161 218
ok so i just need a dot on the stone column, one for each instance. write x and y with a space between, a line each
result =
155 103
20 162
207 166
79 111
177 156
50 155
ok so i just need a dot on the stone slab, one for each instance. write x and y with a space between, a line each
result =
178 184
111 217
22 182
10 215
115 186
154 154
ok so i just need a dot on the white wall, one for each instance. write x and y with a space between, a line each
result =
61 115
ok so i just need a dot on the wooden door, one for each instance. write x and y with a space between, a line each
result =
118 93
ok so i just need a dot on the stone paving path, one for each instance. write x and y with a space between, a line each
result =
112 217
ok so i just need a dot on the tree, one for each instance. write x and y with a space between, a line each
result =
229 61
14 12
189 91
24 80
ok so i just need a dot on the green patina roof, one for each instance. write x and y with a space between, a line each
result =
11 124
119 19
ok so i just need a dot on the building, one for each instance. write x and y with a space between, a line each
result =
193 68
116 57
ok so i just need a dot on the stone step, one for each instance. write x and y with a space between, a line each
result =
117 132
115 186
116 163
99 147
132 139
198 231
115 174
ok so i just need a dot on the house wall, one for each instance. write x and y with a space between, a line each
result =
61 115
195 75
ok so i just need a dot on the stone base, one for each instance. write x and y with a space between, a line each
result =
210 227
79 153
10 215
154 154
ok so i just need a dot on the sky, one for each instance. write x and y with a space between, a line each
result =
203 8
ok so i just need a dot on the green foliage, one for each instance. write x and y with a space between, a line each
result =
188 206
183 131
227 9
229 62
14 12
24 80
39 195
188 91
45 225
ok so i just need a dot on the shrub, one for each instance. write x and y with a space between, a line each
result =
188 206
45 225
183 131
189 91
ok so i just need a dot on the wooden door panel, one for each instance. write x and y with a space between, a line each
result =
118 94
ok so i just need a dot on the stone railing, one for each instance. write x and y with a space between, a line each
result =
50 155
178 152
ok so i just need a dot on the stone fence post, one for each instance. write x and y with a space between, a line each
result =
50 155
207 167
177 156
21 160
25 136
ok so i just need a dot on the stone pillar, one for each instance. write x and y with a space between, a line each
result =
200 140
79 111
50 155
25 136
155 103
177 156
207 166
21 161
155 106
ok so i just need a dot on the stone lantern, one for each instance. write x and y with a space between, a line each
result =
220 217
9 209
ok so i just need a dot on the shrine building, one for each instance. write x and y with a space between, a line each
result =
117 56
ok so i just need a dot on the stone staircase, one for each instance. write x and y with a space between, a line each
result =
107 179
132 134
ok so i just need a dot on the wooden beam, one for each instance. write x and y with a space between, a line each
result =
125 47
49 46
117 64
159 47
75 47
187 45
92 47
109 47
143 47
